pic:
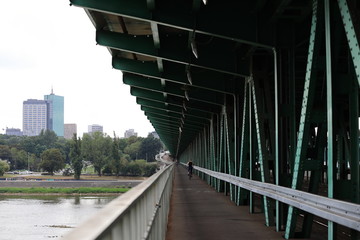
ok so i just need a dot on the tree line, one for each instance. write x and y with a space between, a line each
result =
111 156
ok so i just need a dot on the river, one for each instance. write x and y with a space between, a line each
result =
45 217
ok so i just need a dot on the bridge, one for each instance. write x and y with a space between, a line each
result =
262 95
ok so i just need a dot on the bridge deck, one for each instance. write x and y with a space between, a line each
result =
199 212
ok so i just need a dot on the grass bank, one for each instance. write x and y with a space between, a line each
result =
42 190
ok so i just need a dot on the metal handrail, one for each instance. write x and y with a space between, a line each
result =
141 213
341 212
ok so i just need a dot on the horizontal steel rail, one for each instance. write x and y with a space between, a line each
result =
341 212
141 213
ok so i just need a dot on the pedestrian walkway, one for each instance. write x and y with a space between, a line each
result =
198 212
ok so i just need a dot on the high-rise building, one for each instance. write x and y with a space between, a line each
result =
69 130
130 132
55 113
95 128
35 113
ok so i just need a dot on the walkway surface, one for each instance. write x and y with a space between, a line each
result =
198 212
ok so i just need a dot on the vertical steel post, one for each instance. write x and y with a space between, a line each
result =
250 147
261 154
235 146
242 141
277 168
330 177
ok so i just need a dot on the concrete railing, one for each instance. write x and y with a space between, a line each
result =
141 213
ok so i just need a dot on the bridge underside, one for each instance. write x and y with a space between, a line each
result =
265 90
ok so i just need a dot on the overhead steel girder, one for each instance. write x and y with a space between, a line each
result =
194 121
181 113
224 61
154 84
157 96
173 108
222 27
193 111
158 124
175 133
175 72
175 119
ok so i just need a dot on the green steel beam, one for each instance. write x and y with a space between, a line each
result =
303 134
329 98
154 84
190 109
262 156
352 33
175 72
222 61
188 119
176 111
206 24
159 97
174 108
244 145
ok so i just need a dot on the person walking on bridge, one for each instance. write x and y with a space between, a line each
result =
190 168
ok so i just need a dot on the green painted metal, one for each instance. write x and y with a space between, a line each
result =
352 34
176 18
143 45
228 160
155 85
173 108
304 124
354 148
277 163
261 155
251 160
221 153
184 96
175 72
243 145
329 97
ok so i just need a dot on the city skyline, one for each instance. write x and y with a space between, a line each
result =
66 58
39 115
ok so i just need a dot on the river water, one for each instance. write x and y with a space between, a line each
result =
45 217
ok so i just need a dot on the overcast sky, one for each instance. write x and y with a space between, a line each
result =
47 43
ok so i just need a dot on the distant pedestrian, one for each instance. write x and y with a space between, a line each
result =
190 168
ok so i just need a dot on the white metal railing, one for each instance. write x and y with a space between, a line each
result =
341 212
141 213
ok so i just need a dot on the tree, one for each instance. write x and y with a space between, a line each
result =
52 160
133 150
75 156
116 156
47 138
4 167
149 147
96 148
5 152
19 159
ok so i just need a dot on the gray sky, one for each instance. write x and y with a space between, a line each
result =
47 43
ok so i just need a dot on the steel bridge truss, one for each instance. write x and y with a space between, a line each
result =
261 90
